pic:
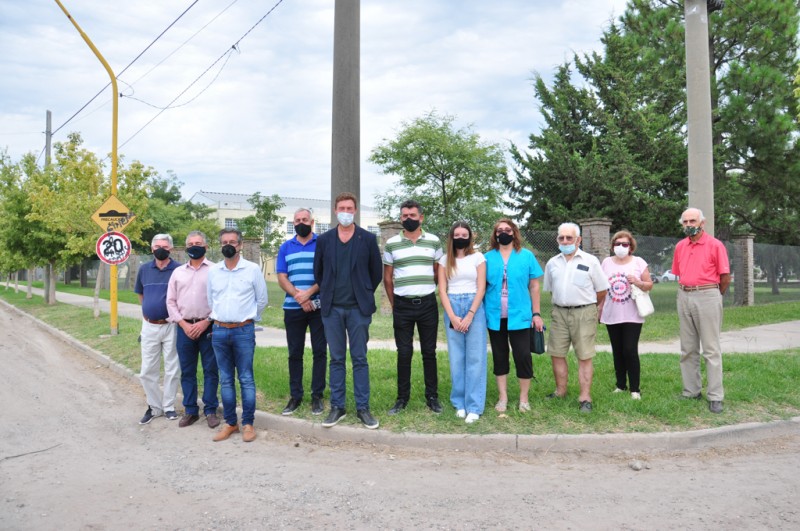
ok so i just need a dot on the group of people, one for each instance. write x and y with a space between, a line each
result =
206 311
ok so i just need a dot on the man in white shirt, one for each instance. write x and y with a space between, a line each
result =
579 286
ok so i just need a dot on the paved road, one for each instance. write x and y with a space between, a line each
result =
72 457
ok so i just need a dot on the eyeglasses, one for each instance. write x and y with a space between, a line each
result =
504 231
565 238
622 244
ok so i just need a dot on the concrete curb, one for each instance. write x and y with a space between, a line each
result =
601 444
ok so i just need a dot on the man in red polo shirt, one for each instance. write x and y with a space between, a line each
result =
701 263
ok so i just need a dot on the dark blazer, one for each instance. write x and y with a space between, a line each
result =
366 268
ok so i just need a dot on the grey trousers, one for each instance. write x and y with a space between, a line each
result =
700 314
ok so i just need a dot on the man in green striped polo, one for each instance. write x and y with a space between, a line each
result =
410 266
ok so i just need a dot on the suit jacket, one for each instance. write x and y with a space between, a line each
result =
366 268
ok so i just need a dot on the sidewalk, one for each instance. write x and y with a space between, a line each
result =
766 338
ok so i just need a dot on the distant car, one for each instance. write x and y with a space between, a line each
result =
668 276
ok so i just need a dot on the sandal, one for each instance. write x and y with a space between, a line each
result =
524 406
501 405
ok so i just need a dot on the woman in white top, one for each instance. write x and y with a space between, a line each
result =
462 284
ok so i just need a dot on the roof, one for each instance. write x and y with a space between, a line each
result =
239 201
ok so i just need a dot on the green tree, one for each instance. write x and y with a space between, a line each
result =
265 224
450 172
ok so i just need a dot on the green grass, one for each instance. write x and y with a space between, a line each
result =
758 387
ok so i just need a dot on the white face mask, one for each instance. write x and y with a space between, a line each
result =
345 218
621 251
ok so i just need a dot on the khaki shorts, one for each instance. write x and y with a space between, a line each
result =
576 327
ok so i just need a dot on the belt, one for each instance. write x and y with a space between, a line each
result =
573 307
156 321
193 321
417 299
698 288
233 325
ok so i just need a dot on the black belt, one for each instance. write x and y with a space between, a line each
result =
573 307
417 299
193 321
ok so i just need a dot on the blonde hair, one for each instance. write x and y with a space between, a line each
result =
623 234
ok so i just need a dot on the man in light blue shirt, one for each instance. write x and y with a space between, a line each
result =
237 294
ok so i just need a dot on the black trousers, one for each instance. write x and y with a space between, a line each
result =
297 321
520 341
625 346
424 313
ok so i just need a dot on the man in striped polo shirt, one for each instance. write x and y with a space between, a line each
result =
295 268
410 264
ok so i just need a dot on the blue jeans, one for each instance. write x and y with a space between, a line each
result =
188 350
234 348
467 356
341 324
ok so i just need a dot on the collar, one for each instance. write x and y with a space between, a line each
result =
172 264
298 242
422 234
700 241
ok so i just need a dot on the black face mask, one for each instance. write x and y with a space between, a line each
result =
161 254
461 243
505 238
195 252
228 251
410 224
302 229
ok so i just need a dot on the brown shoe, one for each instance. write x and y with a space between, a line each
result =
248 433
226 431
213 420
188 420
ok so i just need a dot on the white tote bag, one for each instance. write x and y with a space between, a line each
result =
643 303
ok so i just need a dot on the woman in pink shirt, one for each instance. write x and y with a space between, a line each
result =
619 309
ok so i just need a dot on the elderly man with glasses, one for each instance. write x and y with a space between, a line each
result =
579 286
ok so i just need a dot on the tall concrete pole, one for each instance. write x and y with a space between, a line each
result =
48 137
346 141
698 97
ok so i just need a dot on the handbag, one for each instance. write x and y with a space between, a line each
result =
537 340
643 303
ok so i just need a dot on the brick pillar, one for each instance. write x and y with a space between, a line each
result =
743 270
251 250
388 229
596 234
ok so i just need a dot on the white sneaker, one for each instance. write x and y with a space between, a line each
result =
618 390
472 417
636 396
461 413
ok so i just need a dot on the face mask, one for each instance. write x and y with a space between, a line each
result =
228 251
692 231
620 251
302 230
345 218
161 254
504 238
461 243
410 224
196 251
567 249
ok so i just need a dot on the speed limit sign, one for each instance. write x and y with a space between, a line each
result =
113 248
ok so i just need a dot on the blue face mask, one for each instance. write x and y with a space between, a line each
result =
567 249
345 218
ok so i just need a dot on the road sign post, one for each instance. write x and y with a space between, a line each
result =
113 248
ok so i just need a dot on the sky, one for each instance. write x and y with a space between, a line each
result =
258 117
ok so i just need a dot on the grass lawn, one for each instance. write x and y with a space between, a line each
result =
758 387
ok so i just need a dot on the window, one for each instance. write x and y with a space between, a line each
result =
322 227
230 223
289 228
374 229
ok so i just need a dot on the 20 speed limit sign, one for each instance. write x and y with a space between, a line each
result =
113 248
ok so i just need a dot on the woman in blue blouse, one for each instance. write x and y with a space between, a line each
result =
512 308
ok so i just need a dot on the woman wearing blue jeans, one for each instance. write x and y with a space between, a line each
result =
462 284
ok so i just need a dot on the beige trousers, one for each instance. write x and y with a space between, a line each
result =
700 314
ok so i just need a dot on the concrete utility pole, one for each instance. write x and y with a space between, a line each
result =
346 141
698 102
48 136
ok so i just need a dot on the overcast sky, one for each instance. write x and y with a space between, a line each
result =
263 121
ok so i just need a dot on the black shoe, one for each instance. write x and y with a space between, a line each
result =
317 406
715 406
434 405
586 406
333 418
171 415
291 406
553 395
367 419
148 416
398 406
698 396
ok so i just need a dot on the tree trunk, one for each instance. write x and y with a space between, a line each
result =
101 269
53 281
46 279
29 295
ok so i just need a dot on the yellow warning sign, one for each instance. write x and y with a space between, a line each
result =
113 215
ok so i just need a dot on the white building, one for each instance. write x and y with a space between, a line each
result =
230 207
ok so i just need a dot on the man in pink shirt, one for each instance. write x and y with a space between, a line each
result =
187 303
701 263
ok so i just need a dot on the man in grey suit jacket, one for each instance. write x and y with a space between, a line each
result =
348 270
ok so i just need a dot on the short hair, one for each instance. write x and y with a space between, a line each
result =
623 234
196 233
303 209
702 216
570 225
517 241
161 237
237 232
410 203
345 196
